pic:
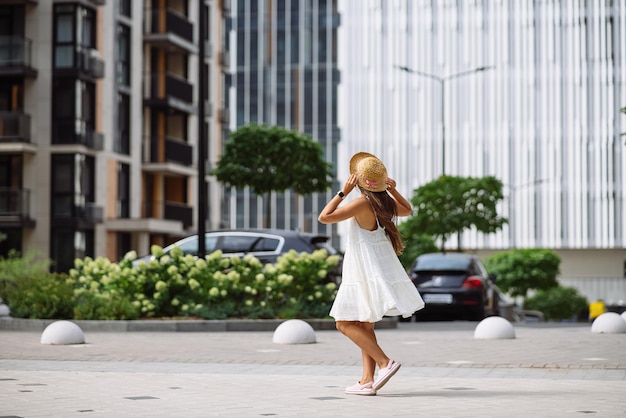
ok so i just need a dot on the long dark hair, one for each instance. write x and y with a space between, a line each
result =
386 212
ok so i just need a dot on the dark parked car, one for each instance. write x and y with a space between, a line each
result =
454 284
264 244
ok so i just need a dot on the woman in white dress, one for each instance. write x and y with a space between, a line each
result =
374 284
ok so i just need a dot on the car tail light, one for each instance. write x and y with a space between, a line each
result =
472 281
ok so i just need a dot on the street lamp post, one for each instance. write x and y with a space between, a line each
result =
442 84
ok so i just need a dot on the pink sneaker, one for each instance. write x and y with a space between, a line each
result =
361 389
385 374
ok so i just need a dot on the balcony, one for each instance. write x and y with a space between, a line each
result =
72 61
165 28
171 211
74 208
76 132
166 90
14 127
169 150
16 56
15 207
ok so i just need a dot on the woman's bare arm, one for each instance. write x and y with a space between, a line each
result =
332 213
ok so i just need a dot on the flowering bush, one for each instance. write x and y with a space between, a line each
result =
213 287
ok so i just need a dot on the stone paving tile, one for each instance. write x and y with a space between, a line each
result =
547 371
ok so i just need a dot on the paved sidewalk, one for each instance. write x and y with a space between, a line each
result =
549 370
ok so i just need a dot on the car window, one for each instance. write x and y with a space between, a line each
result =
440 263
266 244
191 246
237 243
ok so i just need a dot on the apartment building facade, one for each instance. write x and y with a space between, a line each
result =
99 124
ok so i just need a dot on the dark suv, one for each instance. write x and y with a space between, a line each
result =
264 244
454 284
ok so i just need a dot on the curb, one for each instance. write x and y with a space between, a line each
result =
229 325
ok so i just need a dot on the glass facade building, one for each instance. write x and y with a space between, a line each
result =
280 68
528 91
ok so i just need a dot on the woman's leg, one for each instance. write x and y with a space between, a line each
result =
363 335
369 364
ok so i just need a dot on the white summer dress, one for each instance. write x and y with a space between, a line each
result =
374 283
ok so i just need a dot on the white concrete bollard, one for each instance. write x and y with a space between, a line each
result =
494 328
62 332
4 310
609 323
294 331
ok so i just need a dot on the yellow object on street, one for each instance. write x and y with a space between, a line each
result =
596 309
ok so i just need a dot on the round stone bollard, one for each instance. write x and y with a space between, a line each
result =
494 328
294 331
609 323
4 310
63 333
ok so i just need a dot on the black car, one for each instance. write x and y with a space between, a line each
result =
454 284
265 244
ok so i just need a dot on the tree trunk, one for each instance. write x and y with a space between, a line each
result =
268 209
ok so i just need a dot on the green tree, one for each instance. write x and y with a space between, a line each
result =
521 270
272 158
452 204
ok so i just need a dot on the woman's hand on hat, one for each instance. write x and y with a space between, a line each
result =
391 184
350 184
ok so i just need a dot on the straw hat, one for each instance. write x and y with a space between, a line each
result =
371 172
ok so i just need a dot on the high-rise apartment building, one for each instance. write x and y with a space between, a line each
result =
528 91
99 124
280 68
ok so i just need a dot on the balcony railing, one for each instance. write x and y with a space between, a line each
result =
168 21
164 86
173 211
76 131
174 150
75 207
69 58
14 127
14 202
15 51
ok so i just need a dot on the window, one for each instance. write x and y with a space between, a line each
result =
73 112
266 244
123 190
122 140
73 185
74 33
237 244
123 55
125 7
67 245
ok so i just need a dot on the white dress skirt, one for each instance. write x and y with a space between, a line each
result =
374 283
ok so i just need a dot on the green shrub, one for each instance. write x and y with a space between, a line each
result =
14 267
41 295
521 270
214 287
557 303
98 306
